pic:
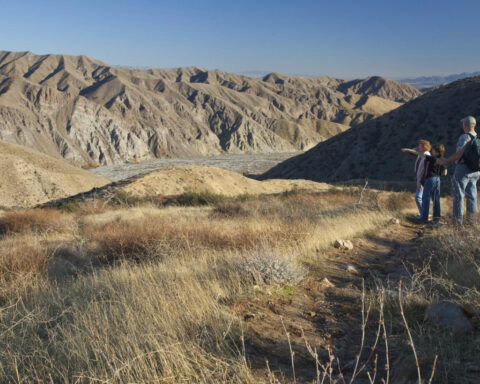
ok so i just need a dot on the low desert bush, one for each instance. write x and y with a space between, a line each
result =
21 256
156 238
397 201
266 265
126 199
455 261
194 199
230 209
42 220
90 165
85 207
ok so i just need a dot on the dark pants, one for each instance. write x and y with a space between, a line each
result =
431 190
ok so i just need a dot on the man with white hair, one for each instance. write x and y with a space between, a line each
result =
464 179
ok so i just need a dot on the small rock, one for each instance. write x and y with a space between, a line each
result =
343 244
312 314
351 269
394 220
249 316
448 316
325 283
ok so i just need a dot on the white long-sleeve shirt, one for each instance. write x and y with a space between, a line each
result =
419 167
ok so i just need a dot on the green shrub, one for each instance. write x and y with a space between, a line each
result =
194 199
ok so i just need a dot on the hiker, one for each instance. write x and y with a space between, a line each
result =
466 175
430 181
423 148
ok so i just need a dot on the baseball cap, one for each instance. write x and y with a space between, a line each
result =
469 120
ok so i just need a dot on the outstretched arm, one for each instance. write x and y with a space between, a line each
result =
412 151
451 159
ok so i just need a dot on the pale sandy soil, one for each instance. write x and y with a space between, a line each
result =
29 177
177 180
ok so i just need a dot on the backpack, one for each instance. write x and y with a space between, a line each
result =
471 155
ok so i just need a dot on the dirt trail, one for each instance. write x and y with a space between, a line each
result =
326 313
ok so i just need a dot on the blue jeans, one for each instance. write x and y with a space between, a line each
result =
464 185
431 190
418 200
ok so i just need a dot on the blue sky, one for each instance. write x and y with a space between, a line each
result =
339 38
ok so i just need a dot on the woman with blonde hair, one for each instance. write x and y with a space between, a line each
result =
423 149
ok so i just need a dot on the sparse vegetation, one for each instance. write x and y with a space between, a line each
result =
33 220
193 199
90 166
156 292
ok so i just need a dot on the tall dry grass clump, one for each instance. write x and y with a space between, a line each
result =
46 219
21 257
129 324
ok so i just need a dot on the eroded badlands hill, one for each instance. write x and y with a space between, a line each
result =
30 178
86 111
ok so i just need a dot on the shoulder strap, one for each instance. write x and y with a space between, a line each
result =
473 137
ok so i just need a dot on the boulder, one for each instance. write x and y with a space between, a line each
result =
343 244
449 316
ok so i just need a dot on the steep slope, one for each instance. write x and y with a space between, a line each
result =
30 177
372 149
86 111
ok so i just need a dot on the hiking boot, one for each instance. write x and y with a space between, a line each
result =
421 221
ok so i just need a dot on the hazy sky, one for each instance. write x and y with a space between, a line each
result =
339 38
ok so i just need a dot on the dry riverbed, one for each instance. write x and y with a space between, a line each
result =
241 163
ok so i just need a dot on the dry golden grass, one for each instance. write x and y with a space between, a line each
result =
47 219
21 256
157 309
450 272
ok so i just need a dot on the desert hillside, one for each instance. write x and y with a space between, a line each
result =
86 111
30 178
372 149
182 179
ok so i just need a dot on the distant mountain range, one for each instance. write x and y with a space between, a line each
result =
87 111
424 82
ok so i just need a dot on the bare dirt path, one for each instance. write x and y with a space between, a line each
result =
325 310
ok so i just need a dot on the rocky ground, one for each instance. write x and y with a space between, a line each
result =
326 311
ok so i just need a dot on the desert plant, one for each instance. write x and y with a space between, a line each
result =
398 201
44 219
193 199
267 266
